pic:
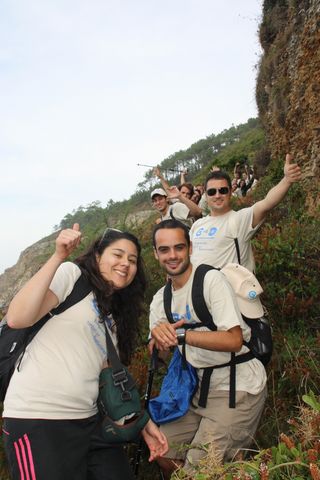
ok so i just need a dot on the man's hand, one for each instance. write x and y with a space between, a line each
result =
165 336
174 193
157 172
292 171
292 174
67 241
156 441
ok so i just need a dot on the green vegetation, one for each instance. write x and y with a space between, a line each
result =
236 144
295 457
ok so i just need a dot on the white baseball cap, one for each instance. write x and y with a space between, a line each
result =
159 191
247 289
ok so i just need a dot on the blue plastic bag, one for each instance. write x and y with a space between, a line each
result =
178 388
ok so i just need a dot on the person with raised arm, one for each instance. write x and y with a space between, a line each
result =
214 237
185 210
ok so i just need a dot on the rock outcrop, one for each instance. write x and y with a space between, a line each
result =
30 260
288 85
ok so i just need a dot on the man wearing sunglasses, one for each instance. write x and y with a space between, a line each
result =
225 235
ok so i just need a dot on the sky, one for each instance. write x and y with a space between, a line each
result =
90 89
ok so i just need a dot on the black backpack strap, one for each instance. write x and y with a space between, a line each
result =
232 381
235 360
167 299
204 388
238 250
80 290
233 228
198 301
171 213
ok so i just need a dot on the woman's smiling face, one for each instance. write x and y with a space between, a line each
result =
118 263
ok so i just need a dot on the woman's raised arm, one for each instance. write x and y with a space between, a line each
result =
35 299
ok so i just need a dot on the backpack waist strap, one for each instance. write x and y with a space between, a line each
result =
207 372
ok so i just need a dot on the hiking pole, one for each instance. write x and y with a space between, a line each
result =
151 370
154 166
149 166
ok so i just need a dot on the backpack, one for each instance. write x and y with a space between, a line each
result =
13 341
259 345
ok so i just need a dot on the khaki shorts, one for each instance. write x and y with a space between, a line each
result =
229 429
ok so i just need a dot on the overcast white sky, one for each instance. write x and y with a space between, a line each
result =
88 89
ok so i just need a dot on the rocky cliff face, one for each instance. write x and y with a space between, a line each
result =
29 262
288 85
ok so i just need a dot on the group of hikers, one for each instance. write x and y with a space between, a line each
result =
51 422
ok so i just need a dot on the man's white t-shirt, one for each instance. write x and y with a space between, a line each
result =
221 302
213 237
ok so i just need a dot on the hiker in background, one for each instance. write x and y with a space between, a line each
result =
230 429
214 237
196 197
51 426
235 190
178 210
182 194
237 172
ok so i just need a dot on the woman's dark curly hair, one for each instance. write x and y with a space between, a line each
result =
125 305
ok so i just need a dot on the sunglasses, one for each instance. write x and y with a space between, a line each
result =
212 191
106 232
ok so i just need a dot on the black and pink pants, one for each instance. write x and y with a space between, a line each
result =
62 450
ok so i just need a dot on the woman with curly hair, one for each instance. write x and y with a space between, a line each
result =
51 425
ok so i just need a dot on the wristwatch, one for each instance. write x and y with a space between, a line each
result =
181 336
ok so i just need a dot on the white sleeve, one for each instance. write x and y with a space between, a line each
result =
180 211
243 219
64 280
221 301
157 313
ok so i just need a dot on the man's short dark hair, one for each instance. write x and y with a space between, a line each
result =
218 175
171 223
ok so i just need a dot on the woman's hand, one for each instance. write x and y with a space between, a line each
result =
35 299
67 241
155 440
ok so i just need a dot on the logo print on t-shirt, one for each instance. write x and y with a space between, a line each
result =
204 232
186 316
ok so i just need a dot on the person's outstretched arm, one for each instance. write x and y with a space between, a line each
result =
183 176
194 209
164 183
35 299
292 174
